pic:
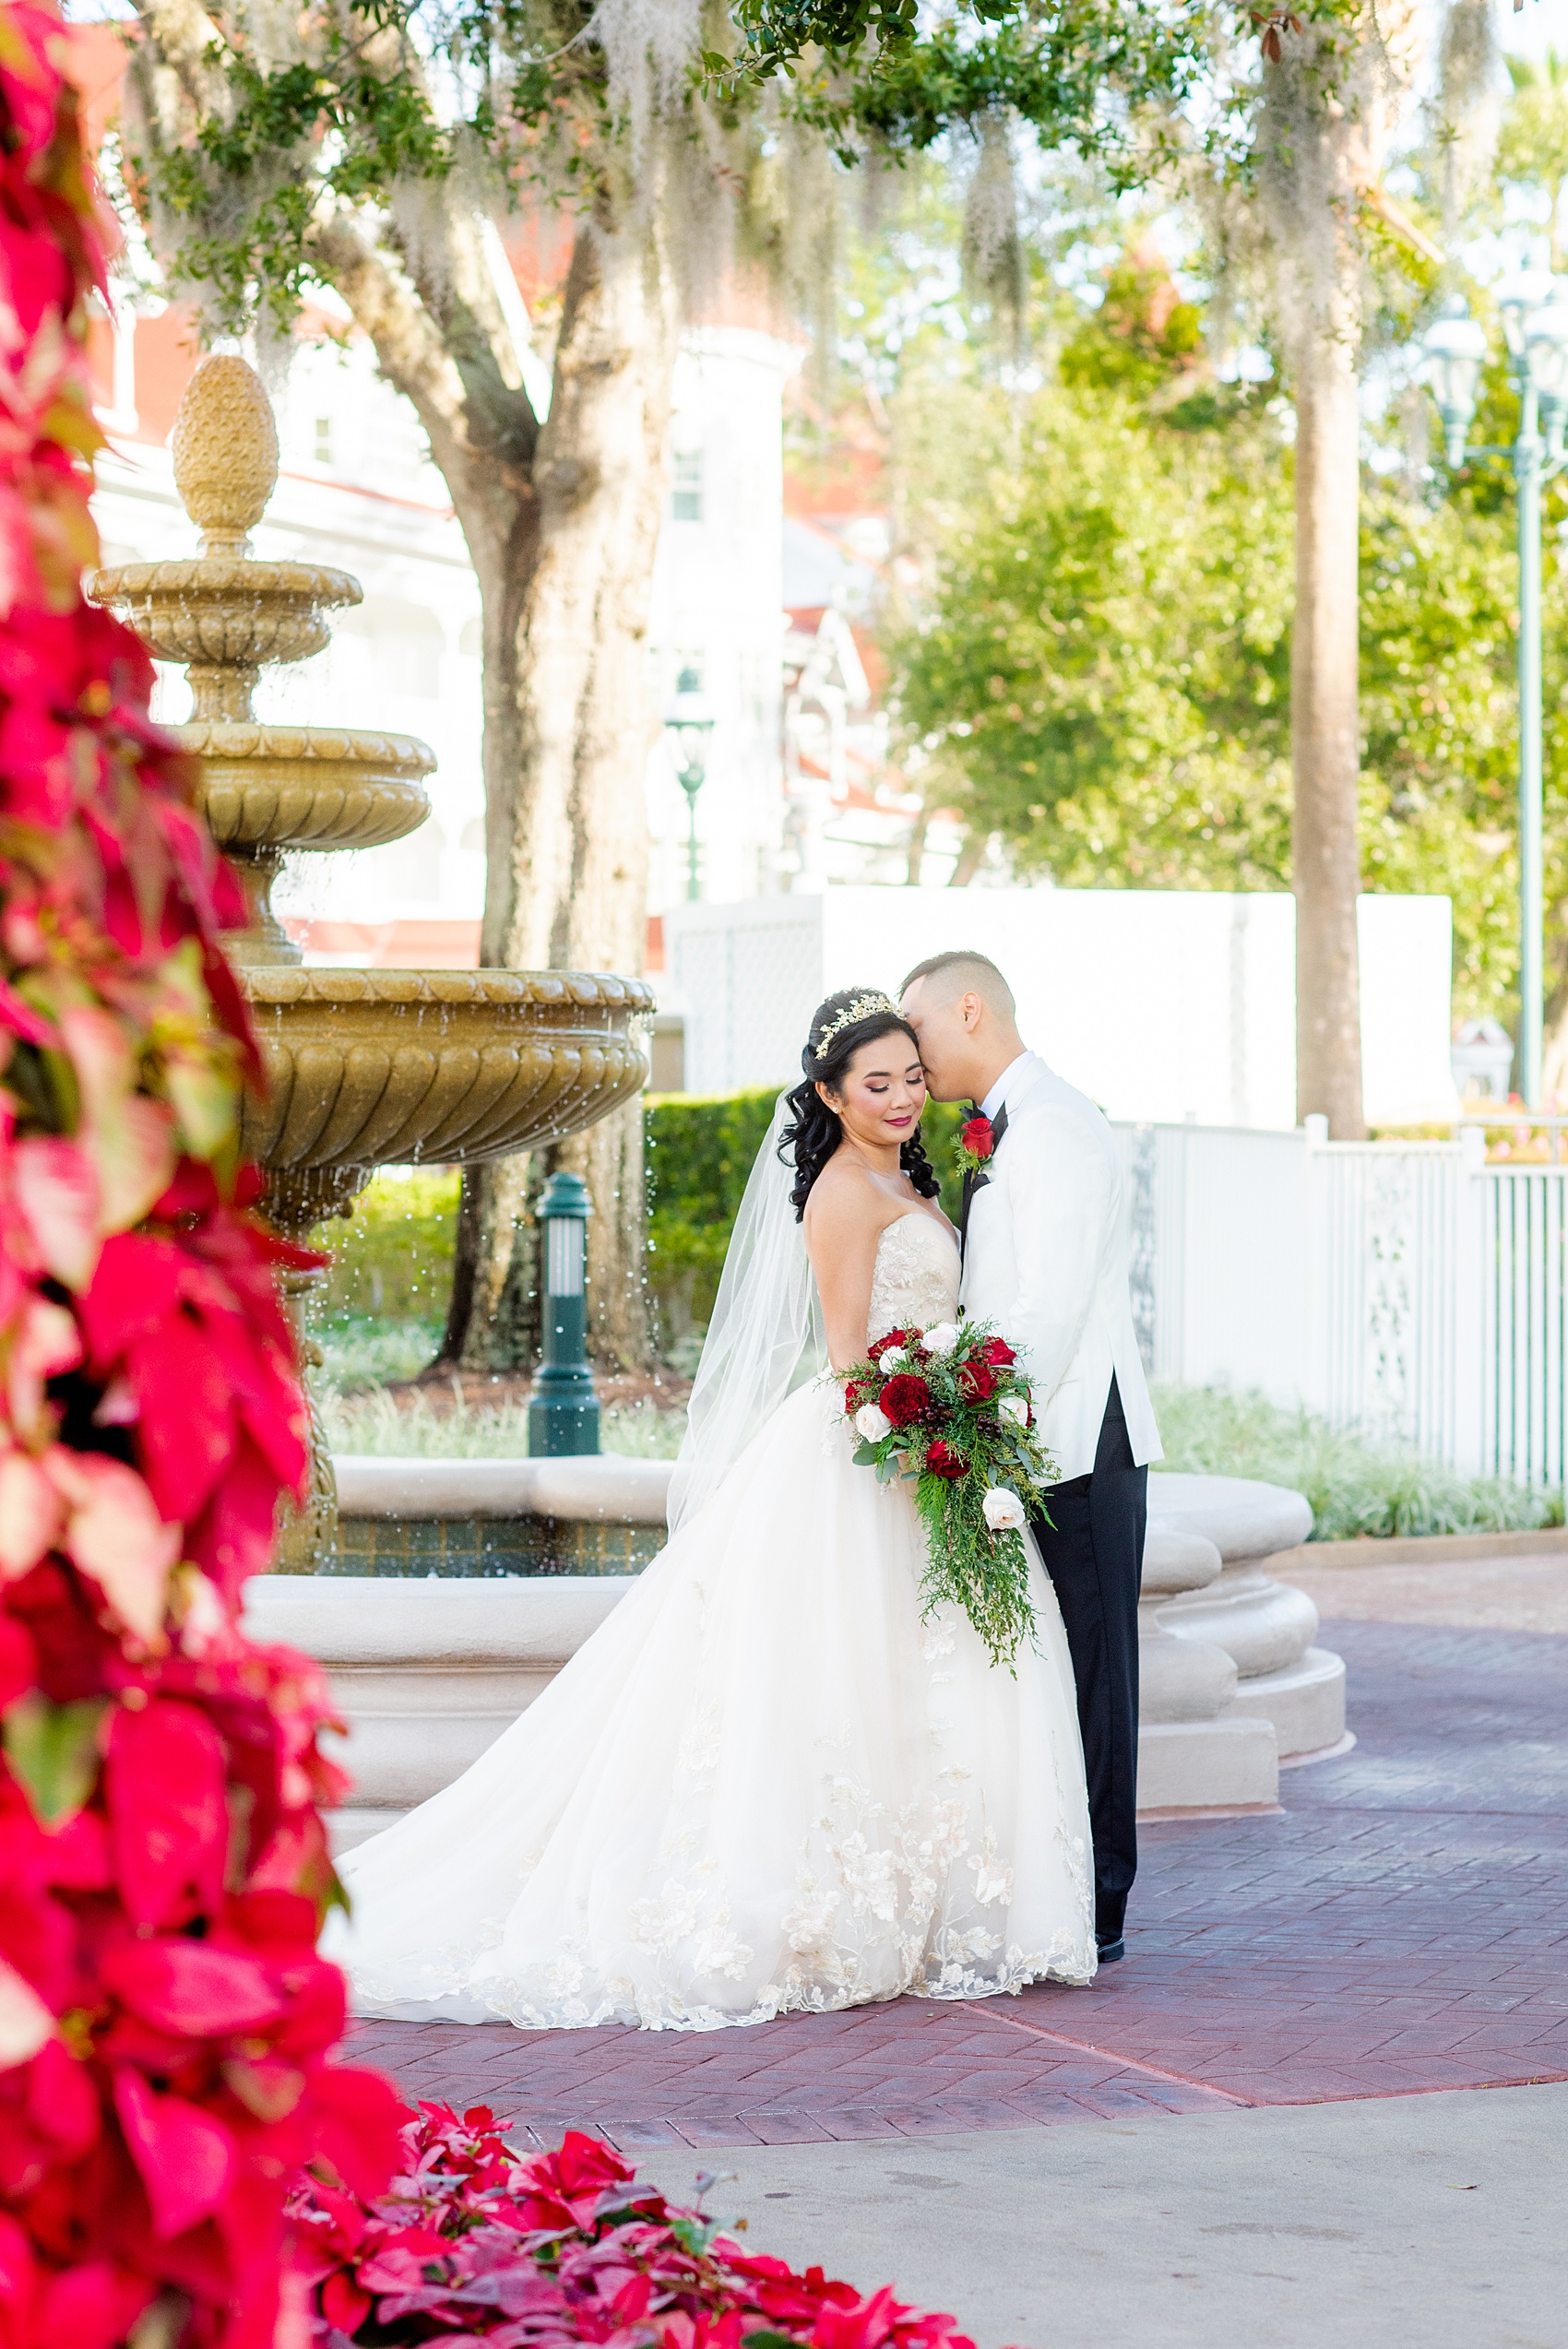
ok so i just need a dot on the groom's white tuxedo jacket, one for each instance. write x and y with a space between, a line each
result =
1045 1259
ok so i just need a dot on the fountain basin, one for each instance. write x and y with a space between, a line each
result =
307 787
370 1068
226 612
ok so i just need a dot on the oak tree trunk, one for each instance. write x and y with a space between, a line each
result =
568 726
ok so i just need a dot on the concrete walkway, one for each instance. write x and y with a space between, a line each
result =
1414 2223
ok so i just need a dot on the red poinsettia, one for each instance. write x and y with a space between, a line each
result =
166 2027
474 2241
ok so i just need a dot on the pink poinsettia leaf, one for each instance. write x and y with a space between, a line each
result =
56 1190
113 1532
30 1514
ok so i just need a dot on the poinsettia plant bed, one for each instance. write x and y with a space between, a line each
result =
526 2252
165 2023
948 1408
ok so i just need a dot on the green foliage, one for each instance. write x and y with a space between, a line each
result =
393 1260
361 1351
362 104
1532 148
427 1427
1098 664
1354 1488
699 1149
1101 661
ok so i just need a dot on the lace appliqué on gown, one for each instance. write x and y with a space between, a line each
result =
765 1785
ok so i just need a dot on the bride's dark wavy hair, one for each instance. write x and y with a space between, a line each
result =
815 1132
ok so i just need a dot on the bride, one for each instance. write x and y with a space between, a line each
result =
766 1784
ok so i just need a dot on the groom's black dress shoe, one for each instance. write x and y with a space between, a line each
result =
1111 1950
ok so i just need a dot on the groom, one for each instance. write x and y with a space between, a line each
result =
1045 1258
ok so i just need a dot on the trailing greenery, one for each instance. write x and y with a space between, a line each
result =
1355 1487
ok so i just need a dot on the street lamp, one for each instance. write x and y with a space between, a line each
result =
563 1409
689 722
1534 306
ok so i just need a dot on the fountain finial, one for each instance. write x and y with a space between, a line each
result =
225 445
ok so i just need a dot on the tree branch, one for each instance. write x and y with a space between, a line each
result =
413 355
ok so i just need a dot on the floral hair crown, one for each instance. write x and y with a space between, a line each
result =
863 1007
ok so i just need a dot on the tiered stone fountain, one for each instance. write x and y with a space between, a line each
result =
366 1068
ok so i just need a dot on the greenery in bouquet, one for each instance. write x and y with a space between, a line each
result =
471 2239
949 1409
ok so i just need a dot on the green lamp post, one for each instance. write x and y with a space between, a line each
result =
689 722
563 1408
1535 324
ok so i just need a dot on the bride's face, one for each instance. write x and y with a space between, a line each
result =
882 1093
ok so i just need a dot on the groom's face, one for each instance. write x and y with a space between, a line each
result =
944 1032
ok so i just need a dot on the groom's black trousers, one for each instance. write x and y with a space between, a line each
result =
1094 1553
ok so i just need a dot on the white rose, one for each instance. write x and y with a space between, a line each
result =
942 1339
1015 1407
894 1360
872 1424
1003 1510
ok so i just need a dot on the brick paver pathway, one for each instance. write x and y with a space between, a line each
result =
1403 1926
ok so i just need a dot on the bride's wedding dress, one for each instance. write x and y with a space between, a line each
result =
764 1784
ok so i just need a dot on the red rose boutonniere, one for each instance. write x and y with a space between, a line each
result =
976 1142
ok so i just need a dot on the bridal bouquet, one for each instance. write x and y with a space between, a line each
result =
948 1407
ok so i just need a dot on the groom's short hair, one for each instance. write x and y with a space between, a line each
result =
960 972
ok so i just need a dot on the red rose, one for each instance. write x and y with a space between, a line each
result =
894 1337
905 1399
943 1461
977 1383
976 1136
856 1392
997 1350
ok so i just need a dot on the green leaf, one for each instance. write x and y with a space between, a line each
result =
866 1455
52 1750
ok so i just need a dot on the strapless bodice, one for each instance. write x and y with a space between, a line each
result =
915 1281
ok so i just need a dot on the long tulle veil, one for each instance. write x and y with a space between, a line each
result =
765 1337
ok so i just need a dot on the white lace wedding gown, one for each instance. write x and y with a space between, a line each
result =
764 1783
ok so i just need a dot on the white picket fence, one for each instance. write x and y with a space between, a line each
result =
1411 1290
